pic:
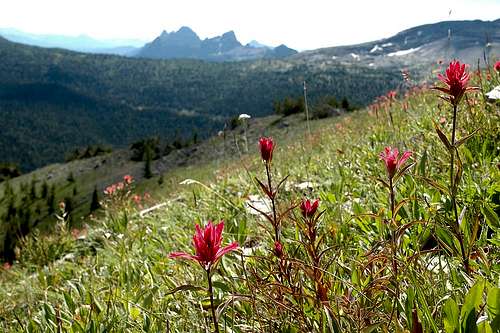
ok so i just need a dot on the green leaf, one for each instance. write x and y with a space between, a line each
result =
490 216
402 172
409 305
135 313
451 316
493 308
69 302
464 139
425 308
446 239
384 183
422 164
442 137
441 188
468 315
222 286
484 327
184 287
148 301
458 173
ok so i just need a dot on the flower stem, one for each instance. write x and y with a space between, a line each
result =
453 191
211 294
394 249
275 220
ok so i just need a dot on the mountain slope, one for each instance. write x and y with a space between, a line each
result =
55 100
464 40
115 272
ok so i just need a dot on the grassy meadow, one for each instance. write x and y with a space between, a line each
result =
359 264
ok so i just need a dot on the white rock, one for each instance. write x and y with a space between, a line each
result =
258 202
494 94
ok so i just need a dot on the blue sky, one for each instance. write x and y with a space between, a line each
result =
306 24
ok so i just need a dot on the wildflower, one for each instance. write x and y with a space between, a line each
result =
127 179
110 190
278 249
244 116
120 186
207 244
392 161
456 80
266 146
497 66
308 209
137 199
6 266
391 95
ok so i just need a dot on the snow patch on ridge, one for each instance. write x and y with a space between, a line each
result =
403 52
376 48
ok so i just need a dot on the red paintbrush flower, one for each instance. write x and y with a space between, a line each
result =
308 209
207 244
392 161
278 249
497 66
266 146
391 95
456 80
128 179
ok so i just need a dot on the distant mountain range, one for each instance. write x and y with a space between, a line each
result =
464 40
80 43
185 43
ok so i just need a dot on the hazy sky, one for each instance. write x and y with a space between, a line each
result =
305 24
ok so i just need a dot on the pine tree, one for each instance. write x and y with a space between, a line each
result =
68 206
45 190
51 198
94 204
345 104
33 189
147 166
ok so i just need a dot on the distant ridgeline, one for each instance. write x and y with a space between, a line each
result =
53 101
186 44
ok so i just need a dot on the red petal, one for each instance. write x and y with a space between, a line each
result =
404 157
231 247
183 255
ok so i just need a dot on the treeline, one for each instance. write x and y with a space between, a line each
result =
90 151
323 107
33 205
8 171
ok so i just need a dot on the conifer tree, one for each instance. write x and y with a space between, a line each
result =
147 166
94 204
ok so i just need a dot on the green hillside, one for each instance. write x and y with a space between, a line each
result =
357 264
53 101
